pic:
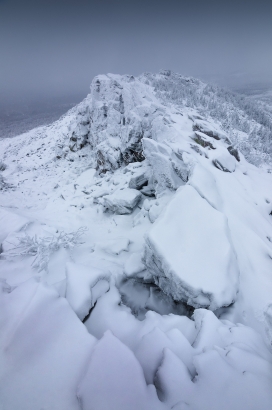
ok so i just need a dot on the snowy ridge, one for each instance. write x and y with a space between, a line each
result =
166 297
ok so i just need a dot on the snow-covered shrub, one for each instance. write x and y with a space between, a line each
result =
2 182
43 247
3 166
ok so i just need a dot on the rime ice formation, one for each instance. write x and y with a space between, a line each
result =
164 300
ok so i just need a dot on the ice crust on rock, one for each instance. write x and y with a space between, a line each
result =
168 168
122 201
224 161
138 181
210 130
114 118
189 254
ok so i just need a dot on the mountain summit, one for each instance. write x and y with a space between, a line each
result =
136 251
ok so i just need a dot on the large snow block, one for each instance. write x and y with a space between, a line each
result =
189 254
44 349
115 380
122 201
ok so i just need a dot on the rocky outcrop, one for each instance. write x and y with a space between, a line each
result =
122 201
206 128
224 161
113 119
201 139
234 152
170 168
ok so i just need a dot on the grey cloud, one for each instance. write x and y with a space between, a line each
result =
51 48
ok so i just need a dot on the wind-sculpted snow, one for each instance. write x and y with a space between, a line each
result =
44 349
189 254
165 301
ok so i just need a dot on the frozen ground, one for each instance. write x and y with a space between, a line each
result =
136 260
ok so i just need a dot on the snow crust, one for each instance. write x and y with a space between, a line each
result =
164 301
189 254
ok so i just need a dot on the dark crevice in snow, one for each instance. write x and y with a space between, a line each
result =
89 314
221 312
141 296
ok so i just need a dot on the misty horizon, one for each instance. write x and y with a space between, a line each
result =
53 49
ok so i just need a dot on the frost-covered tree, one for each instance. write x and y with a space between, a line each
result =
235 112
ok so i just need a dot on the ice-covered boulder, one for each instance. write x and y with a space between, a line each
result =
189 254
122 201
108 155
234 152
203 140
211 130
224 161
138 181
170 169
78 129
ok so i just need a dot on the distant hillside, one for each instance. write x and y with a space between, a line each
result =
18 118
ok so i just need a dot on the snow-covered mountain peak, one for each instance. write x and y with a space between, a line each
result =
137 237
122 110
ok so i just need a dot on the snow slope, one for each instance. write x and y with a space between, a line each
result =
136 259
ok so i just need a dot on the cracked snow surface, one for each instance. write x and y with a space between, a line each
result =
135 260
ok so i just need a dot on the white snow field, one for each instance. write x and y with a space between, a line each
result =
135 259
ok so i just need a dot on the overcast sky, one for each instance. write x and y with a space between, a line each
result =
51 48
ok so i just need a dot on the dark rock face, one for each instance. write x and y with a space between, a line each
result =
130 155
202 127
138 181
234 152
220 166
201 140
210 133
